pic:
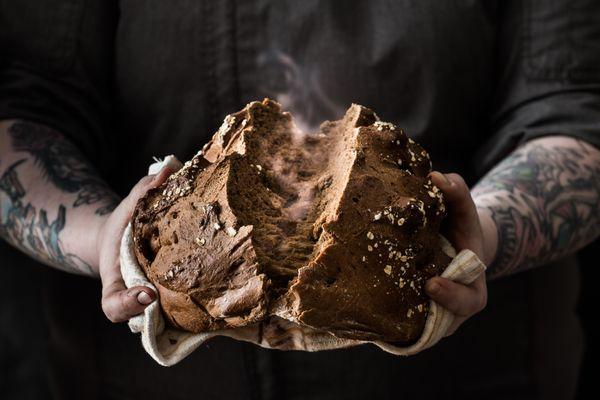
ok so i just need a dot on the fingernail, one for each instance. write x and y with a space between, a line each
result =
432 287
144 298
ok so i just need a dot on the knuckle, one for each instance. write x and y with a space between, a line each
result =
484 302
453 176
466 308
459 307
110 315
143 185
464 311
458 180
481 304
124 302
140 189
129 303
146 180
462 185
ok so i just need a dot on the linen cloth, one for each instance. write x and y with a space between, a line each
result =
168 345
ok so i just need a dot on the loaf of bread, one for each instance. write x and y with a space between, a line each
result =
336 230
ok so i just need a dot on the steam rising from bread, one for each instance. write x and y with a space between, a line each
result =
300 93
299 90
301 192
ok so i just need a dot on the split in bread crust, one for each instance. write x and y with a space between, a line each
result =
337 230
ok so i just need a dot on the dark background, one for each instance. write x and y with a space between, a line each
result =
588 262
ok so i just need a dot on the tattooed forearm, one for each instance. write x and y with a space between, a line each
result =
63 165
52 201
29 229
545 201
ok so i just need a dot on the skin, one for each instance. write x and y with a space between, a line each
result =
54 207
465 231
541 203
118 302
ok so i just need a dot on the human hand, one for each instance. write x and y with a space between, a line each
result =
119 303
464 229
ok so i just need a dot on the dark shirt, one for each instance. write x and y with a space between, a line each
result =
129 80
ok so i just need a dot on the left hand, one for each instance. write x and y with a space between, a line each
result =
118 302
463 228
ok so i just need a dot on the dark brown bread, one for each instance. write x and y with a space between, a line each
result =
336 230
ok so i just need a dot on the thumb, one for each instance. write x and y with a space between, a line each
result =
146 183
456 194
462 219
460 299
121 304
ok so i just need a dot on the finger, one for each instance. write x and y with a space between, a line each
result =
146 183
454 325
121 304
462 223
460 299
109 254
457 196
122 214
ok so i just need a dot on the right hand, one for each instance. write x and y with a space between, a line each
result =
118 302
464 230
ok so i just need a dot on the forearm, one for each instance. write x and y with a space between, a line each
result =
52 202
544 202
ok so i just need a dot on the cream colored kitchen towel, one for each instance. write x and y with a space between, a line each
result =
168 346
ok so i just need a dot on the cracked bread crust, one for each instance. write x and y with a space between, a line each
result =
379 240
336 230
190 246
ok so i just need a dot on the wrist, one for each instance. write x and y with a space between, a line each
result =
490 235
100 223
78 241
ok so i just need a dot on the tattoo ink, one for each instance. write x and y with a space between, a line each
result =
63 164
30 230
545 201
